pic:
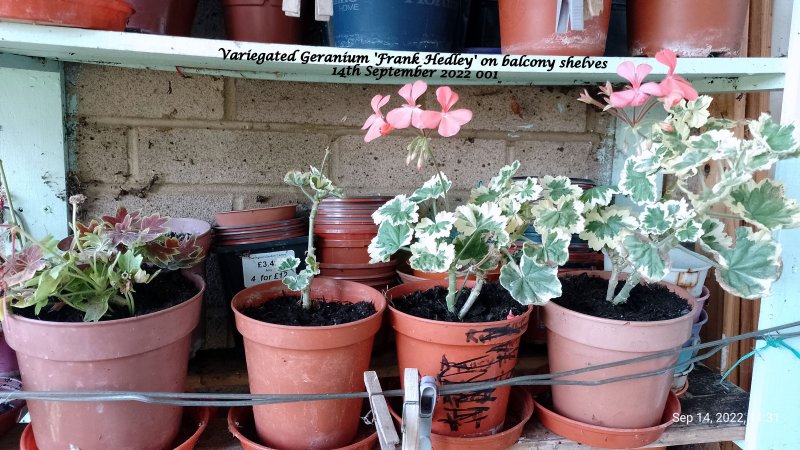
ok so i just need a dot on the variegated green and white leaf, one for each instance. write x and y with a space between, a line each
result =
289 264
606 227
502 181
530 283
312 266
564 215
297 179
484 194
765 205
298 282
728 146
554 249
526 190
749 269
696 112
714 238
655 219
556 188
323 186
397 211
690 231
469 249
598 196
432 189
431 256
781 139
649 160
640 187
437 228
648 260
388 241
486 218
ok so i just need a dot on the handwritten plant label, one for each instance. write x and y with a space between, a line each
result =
263 267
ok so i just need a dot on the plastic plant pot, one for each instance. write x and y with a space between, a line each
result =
256 216
261 21
109 15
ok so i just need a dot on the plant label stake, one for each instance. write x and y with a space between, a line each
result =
411 419
387 435
427 398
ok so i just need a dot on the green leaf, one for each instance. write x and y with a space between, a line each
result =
690 231
486 218
648 260
297 179
437 228
432 189
714 238
751 266
397 211
605 227
323 186
526 190
556 188
554 249
470 249
95 310
430 256
47 285
289 264
388 241
530 283
130 263
779 138
564 215
298 282
598 196
765 205
312 266
640 187
503 179
655 219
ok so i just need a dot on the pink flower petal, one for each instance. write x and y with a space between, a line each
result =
370 120
642 71
668 58
447 98
375 130
378 102
429 120
627 70
622 99
651 89
452 121
400 118
417 89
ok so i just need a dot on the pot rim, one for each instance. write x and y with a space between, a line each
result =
241 316
681 292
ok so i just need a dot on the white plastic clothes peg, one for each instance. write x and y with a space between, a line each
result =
569 15
291 8
323 10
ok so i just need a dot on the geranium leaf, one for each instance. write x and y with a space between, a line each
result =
765 205
655 219
298 282
429 256
486 218
470 249
437 228
530 283
433 188
690 231
749 268
397 211
554 249
598 196
605 227
564 215
648 260
526 190
297 179
779 138
289 264
640 187
388 241
714 238
556 188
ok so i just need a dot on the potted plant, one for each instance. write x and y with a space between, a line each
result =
112 312
461 332
630 318
316 342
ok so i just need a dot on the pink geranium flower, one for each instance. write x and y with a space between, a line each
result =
375 123
449 122
638 93
408 114
673 88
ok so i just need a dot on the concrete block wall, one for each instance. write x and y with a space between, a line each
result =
192 146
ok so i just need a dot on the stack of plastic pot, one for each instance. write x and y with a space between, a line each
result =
581 257
344 229
251 244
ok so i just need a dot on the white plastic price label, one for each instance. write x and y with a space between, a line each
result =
263 267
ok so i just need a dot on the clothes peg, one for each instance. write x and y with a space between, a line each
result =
291 8
323 10
411 419
387 435
569 15
427 403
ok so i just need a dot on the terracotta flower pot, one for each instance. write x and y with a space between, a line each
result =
145 353
8 359
528 27
93 14
457 353
259 216
576 340
690 28
201 230
343 251
261 21
172 17
308 360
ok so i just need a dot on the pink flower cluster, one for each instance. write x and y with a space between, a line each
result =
447 122
671 90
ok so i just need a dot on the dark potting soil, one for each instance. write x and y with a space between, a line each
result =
288 310
494 303
168 289
646 303
180 236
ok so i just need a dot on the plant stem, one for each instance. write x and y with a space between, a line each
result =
452 289
441 177
612 282
306 292
13 218
630 283
473 296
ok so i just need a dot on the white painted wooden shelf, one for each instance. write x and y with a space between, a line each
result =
205 56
